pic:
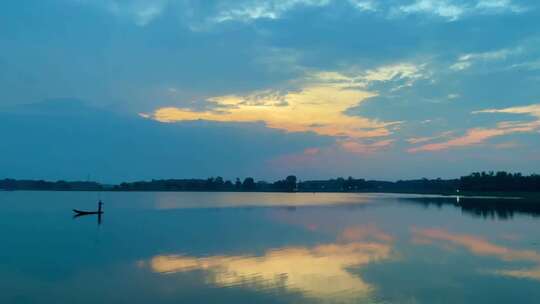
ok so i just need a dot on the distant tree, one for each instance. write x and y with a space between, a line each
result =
248 184
219 183
210 184
340 183
348 184
238 184
477 182
290 183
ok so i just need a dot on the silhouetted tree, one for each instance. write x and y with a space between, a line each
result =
248 184
476 182
290 183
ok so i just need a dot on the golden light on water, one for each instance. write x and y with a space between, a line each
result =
318 272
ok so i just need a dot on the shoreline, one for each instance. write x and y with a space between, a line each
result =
463 194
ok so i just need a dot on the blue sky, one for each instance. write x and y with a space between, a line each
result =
133 89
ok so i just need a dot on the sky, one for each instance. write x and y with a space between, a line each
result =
121 90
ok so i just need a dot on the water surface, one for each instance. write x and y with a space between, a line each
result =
267 248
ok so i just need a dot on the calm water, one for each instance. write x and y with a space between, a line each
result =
266 248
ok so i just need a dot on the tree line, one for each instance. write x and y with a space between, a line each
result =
475 182
13 184
289 184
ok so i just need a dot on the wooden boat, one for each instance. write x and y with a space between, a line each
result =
81 212
86 212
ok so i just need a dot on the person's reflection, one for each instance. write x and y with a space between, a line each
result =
99 218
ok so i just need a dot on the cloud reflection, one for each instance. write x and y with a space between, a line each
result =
320 272
533 274
481 247
363 232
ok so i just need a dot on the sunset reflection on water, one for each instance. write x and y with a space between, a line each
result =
320 272
267 248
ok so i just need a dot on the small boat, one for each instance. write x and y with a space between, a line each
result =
87 212
81 212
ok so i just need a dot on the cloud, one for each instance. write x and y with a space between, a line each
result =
142 12
444 9
71 138
312 151
466 61
401 71
364 5
318 109
319 104
419 140
507 145
204 16
406 72
279 60
532 110
251 10
477 136
358 147
472 137
320 157
307 158
246 11
461 65
531 65
454 10
499 6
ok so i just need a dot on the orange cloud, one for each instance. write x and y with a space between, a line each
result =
318 109
480 135
308 158
358 147
317 157
472 137
312 151
506 145
319 104
419 140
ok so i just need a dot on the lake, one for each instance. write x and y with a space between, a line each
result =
266 248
